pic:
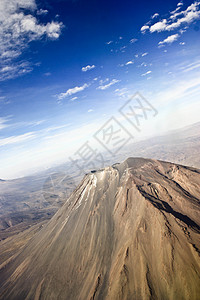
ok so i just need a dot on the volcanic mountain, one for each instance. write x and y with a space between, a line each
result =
130 231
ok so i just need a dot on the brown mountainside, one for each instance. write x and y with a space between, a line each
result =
130 231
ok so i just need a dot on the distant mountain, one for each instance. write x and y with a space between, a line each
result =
30 200
181 146
130 231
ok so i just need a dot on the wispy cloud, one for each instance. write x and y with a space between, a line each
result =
4 100
170 39
191 66
106 86
12 70
110 42
47 74
24 124
123 92
144 54
72 91
147 73
102 81
87 68
132 41
17 139
19 27
4 121
74 98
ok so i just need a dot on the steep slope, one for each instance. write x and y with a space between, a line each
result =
130 231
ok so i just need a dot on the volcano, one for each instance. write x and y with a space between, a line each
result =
129 231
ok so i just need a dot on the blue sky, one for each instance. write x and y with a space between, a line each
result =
67 66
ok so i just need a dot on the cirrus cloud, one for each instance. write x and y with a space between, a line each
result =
17 139
106 86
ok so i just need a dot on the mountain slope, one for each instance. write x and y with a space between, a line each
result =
27 201
130 231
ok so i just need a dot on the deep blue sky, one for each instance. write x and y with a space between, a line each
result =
43 118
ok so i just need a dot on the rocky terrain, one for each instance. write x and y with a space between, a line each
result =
130 231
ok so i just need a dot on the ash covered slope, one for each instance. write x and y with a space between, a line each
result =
130 231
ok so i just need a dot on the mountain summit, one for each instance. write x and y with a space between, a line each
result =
130 231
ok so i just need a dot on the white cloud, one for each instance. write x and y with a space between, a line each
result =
10 54
144 28
74 98
173 13
176 19
42 12
6 69
72 91
170 39
87 68
20 26
182 43
90 110
104 87
130 62
144 54
159 26
155 16
147 73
